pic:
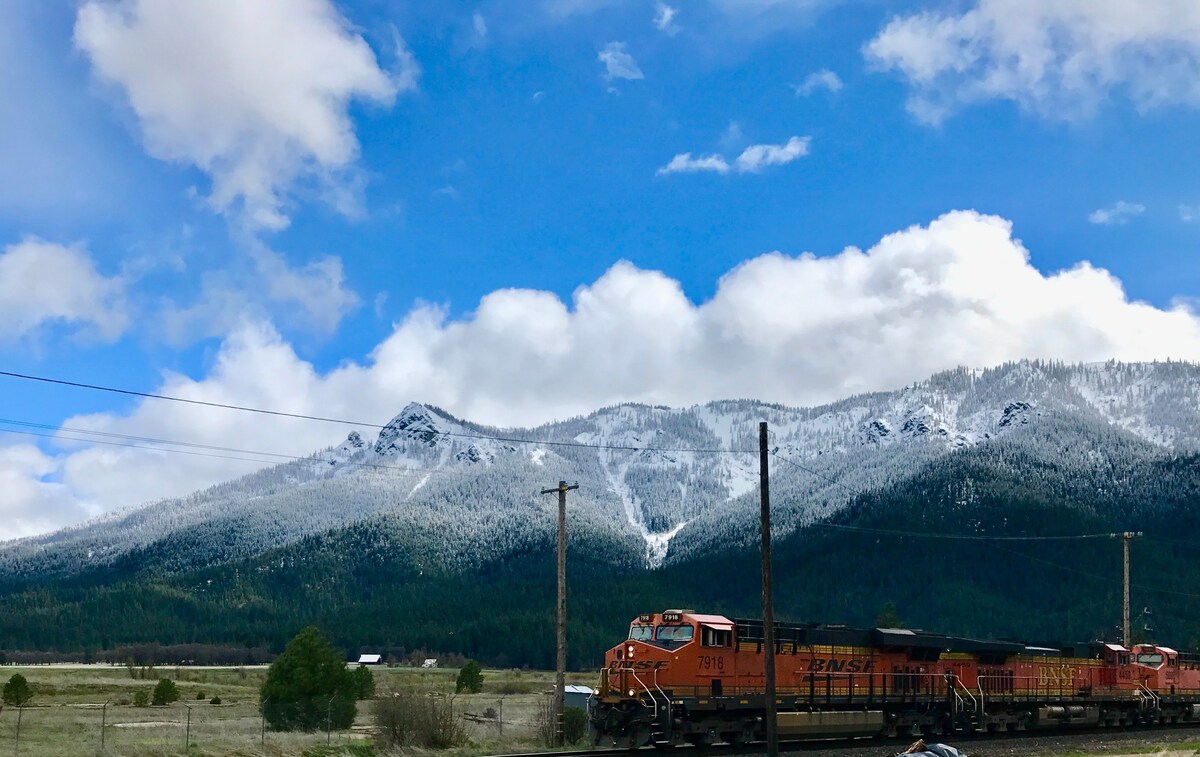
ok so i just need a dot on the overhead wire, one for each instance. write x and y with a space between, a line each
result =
148 443
347 422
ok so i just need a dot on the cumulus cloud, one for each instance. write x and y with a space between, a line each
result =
823 79
1060 58
664 18
793 329
1117 214
752 160
42 282
30 504
619 64
255 94
313 297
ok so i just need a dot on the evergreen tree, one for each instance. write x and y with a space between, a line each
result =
364 682
470 678
165 692
17 692
308 685
889 617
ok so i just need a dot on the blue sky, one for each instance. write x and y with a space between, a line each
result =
329 191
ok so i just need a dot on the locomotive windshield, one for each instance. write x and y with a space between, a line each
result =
1150 660
641 633
675 633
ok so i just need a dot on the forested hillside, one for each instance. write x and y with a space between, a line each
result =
434 535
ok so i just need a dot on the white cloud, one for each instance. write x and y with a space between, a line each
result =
255 94
42 282
664 18
30 504
823 79
752 160
1189 213
684 162
618 64
1119 213
799 330
757 157
480 25
313 298
1059 58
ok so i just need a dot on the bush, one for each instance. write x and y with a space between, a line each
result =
574 725
308 684
470 679
417 720
165 692
17 692
215 700
141 698
200 695
513 687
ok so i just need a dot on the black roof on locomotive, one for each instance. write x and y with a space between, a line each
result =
921 644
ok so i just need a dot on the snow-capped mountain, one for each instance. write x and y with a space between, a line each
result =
656 483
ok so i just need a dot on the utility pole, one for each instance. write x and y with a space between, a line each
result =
560 674
1126 537
768 606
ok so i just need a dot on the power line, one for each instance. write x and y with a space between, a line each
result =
149 442
812 472
960 537
345 422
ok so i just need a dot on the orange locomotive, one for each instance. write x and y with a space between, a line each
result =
683 677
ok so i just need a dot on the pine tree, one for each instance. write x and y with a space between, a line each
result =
470 678
17 692
308 685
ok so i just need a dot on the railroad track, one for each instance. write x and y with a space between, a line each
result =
887 746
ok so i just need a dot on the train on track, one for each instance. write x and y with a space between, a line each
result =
683 677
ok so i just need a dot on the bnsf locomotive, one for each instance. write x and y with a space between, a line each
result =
683 677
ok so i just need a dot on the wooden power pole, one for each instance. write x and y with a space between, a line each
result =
768 606
1126 637
560 675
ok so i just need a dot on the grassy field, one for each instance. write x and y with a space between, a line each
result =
65 717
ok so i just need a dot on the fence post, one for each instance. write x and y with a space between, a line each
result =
17 747
329 720
500 720
263 710
187 733
103 723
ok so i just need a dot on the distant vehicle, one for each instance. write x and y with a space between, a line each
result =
682 677
430 663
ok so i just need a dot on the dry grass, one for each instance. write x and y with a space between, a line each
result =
65 719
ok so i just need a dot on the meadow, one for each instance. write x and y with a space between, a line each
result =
68 716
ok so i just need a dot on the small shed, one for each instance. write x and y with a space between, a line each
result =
370 659
577 696
430 663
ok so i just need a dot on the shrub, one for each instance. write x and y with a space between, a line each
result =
417 720
470 678
574 725
141 698
513 687
200 695
165 692
215 700
308 684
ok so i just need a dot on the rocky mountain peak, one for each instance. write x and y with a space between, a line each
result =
415 424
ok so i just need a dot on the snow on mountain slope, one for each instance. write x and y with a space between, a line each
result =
677 481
